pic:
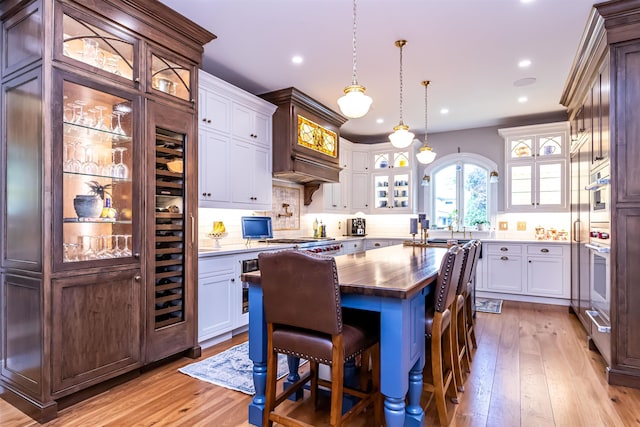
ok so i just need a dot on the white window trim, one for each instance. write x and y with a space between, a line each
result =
458 158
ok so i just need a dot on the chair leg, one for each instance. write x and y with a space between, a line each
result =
442 366
313 369
378 410
471 333
459 341
272 375
337 381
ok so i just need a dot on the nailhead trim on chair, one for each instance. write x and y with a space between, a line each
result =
447 272
336 287
315 359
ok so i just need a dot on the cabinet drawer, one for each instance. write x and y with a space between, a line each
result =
544 250
375 244
215 265
504 248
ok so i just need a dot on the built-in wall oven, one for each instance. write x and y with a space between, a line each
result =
600 287
599 189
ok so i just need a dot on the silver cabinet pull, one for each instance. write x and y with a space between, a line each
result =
504 258
545 250
503 249
592 314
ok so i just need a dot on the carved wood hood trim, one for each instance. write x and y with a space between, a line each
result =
296 162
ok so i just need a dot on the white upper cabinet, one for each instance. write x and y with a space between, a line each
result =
536 167
234 147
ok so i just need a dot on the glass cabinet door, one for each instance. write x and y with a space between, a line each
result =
381 195
97 200
94 43
170 77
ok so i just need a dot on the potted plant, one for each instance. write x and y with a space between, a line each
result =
479 223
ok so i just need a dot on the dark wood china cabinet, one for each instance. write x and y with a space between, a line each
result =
98 194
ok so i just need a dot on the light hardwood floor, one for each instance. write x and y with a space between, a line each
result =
532 368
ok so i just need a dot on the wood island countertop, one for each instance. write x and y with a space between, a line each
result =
395 271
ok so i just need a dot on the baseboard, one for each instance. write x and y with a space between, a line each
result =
523 298
623 378
215 340
40 412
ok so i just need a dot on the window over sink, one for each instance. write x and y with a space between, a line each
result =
459 193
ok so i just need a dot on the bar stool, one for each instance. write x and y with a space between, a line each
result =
438 376
468 303
459 321
310 325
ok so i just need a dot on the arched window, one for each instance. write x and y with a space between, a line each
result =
460 193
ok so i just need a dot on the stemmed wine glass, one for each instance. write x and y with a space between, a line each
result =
126 251
105 252
118 129
89 166
80 118
122 170
117 253
101 123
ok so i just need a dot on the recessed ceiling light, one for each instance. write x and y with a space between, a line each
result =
444 111
297 59
524 82
379 121
524 63
523 99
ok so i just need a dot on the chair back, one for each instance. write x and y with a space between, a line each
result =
448 278
478 245
469 250
301 290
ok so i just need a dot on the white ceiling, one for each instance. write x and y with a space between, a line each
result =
469 49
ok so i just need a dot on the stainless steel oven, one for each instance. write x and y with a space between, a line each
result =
599 189
600 288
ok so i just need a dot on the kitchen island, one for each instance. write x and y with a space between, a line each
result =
393 281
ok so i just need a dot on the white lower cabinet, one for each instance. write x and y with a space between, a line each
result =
216 277
352 246
532 269
370 244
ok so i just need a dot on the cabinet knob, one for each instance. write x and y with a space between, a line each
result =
503 249
504 258
233 279
204 119
137 80
137 278
529 261
193 101
377 244
208 120
545 250
136 255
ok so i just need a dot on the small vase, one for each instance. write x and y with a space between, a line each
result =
87 206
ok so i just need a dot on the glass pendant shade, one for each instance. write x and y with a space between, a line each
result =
354 104
401 137
426 155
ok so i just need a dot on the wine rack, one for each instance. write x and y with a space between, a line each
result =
169 229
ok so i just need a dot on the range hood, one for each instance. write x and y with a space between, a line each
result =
306 138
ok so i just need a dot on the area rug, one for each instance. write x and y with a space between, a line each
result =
488 305
232 369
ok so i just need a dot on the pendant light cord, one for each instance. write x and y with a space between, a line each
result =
354 80
401 44
426 85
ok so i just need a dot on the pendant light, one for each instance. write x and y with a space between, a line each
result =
425 154
354 104
401 137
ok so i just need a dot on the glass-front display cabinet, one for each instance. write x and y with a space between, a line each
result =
392 183
99 201
536 167
98 150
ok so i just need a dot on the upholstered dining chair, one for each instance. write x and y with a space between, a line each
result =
438 373
461 359
303 312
